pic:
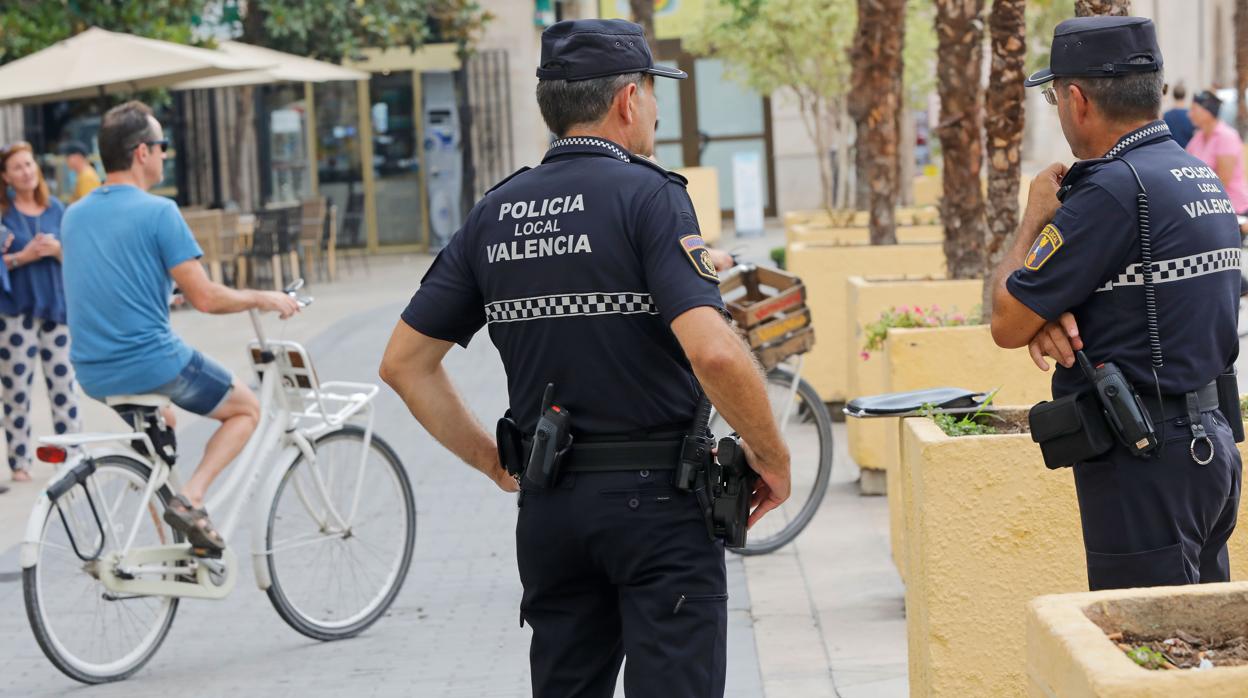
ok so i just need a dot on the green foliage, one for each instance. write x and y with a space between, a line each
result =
1243 406
777 256
965 424
333 30
1042 17
1147 657
800 44
27 26
913 316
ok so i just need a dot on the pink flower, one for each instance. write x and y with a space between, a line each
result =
934 309
959 319
918 310
865 355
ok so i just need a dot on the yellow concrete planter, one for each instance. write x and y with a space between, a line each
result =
906 216
988 529
858 235
1069 655
867 299
824 269
963 357
703 190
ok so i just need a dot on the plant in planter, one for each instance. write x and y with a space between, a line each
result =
911 317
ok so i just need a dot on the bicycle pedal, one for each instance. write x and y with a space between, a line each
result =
206 553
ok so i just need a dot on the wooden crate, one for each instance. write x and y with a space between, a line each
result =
769 308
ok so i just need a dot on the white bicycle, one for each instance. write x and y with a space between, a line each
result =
334 522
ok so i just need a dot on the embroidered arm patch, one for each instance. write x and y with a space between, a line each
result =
1045 246
699 256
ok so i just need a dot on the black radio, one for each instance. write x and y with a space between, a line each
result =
1128 418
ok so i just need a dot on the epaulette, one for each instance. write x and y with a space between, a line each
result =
508 178
1078 172
673 176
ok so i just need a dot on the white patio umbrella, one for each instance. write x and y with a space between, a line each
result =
283 67
98 61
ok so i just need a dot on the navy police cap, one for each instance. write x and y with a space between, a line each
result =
1100 47
583 49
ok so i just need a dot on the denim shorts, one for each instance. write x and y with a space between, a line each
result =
201 387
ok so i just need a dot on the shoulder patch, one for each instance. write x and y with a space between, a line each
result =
508 178
699 256
1042 250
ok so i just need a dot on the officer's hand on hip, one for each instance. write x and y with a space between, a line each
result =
503 479
1042 203
773 484
1059 340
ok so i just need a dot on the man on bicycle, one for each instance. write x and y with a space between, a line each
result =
123 250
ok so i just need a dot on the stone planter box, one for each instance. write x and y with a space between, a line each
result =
867 299
964 357
987 529
857 235
824 269
1069 655
703 190
906 215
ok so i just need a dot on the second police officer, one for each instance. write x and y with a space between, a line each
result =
1076 280
591 275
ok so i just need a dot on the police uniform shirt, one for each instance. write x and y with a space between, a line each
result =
1087 261
579 267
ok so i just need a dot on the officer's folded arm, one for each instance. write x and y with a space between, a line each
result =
412 366
734 383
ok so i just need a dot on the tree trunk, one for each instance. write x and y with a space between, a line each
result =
875 99
1241 65
1003 129
959 32
1087 8
643 14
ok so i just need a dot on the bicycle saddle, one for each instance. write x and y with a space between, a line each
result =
910 403
147 400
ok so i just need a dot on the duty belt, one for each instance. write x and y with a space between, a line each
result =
1177 406
1189 406
606 456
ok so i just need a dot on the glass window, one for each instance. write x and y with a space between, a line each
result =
725 108
288 158
338 158
718 154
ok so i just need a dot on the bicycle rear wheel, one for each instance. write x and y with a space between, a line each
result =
331 582
90 634
807 430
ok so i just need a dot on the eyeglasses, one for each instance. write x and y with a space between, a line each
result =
1050 95
163 143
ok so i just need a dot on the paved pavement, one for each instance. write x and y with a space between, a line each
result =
821 618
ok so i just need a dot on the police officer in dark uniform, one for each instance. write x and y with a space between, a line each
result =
1075 280
592 277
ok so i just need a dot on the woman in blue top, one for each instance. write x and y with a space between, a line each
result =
32 305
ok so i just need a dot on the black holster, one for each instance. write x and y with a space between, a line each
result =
511 453
1070 430
1228 403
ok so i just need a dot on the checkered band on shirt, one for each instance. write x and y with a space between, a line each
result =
594 142
1178 269
570 305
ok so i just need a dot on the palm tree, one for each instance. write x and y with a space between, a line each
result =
1086 8
875 102
1003 126
960 33
643 14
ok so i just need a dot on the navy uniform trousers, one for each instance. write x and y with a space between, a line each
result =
619 564
1161 521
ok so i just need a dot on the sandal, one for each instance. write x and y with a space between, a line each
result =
194 523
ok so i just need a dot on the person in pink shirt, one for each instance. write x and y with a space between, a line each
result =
1220 146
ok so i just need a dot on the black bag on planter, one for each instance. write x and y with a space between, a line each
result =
1070 430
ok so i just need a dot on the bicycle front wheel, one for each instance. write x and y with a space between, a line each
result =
807 430
340 536
89 633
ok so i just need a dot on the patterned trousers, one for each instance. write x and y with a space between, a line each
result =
25 340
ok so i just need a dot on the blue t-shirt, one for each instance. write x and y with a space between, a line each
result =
1181 129
34 289
119 245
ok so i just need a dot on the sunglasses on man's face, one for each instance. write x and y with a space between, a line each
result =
162 143
1050 95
